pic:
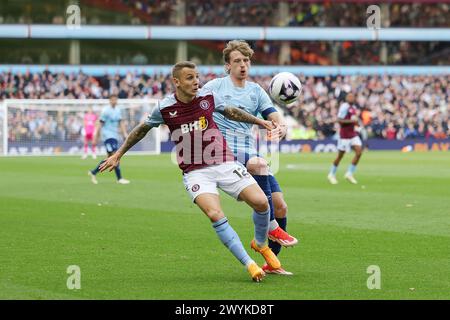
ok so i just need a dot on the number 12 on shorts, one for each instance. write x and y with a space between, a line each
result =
241 172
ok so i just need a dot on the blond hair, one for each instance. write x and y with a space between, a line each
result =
240 45
180 65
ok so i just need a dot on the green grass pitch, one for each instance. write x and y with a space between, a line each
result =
147 240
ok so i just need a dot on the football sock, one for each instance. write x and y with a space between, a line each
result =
275 246
97 170
264 184
333 169
273 225
351 168
231 240
261 221
85 148
118 173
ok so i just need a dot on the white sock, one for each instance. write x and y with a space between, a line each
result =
273 225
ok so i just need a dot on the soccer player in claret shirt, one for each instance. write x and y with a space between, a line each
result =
90 119
111 128
348 138
207 162
237 90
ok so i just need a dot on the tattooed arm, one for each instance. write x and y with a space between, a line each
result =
237 114
136 135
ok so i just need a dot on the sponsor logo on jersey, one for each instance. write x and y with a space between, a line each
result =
200 124
173 114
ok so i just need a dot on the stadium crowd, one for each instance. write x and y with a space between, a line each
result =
355 52
247 13
318 13
391 107
266 53
329 14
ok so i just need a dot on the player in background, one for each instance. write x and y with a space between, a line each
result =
90 119
235 89
111 128
189 115
348 138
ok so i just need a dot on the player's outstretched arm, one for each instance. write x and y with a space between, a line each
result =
136 135
237 114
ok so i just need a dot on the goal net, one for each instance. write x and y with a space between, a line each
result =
56 126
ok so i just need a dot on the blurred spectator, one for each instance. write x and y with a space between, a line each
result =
390 133
439 133
410 132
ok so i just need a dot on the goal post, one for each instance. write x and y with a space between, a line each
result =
56 126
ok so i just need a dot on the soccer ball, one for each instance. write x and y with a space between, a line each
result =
285 88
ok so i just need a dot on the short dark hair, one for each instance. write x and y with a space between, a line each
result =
180 65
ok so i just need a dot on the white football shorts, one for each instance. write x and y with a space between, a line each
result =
345 144
230 177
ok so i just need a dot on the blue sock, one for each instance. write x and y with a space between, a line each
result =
282 222
333 169
118 173
275 246
97 170
351 168
261 221
231 240
264 184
